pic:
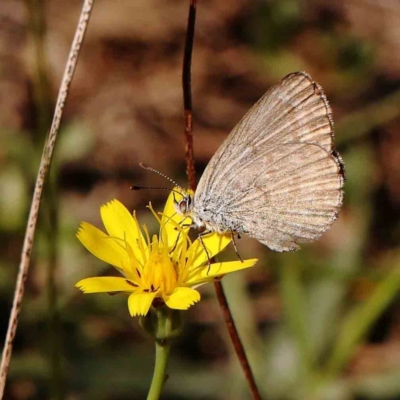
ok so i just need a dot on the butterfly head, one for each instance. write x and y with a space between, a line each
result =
186 207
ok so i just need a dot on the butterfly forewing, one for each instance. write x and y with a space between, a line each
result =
277 177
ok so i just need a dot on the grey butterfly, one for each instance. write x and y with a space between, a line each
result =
277 177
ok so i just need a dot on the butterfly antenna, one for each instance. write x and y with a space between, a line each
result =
134 187
144 166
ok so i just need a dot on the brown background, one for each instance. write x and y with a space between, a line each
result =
126 107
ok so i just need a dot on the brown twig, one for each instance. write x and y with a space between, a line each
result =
187 99
237 343
37 194
187 94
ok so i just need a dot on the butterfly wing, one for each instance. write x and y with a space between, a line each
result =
277 177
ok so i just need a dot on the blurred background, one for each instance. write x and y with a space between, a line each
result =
322 323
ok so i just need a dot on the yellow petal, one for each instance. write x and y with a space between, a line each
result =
213 242
182 298
175 196
102 246
120 224
105 284
139 303
208 273
171 218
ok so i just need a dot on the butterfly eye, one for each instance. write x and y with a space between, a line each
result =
185 205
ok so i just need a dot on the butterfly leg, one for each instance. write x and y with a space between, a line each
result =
182 226
176 243
205 248
234 245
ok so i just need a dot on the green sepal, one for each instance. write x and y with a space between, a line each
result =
162 323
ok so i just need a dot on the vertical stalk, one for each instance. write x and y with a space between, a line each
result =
190 169
235 339
49 222
187 94
164 325
163 348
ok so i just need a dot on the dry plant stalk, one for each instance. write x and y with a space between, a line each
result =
44 167
190 169
187 94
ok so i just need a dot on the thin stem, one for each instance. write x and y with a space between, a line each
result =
41 86
237 343
187 94
163 348
54 331
49 220
163 324
44 167
188 107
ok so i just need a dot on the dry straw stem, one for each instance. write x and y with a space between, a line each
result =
190 169
44 167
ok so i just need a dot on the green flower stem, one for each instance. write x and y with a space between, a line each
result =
163 348
163 324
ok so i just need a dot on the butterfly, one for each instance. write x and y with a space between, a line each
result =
277 177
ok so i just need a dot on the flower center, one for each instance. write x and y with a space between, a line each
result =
159 274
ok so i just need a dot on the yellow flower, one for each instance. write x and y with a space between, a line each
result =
164 269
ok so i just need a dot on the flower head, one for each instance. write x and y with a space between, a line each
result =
165 268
